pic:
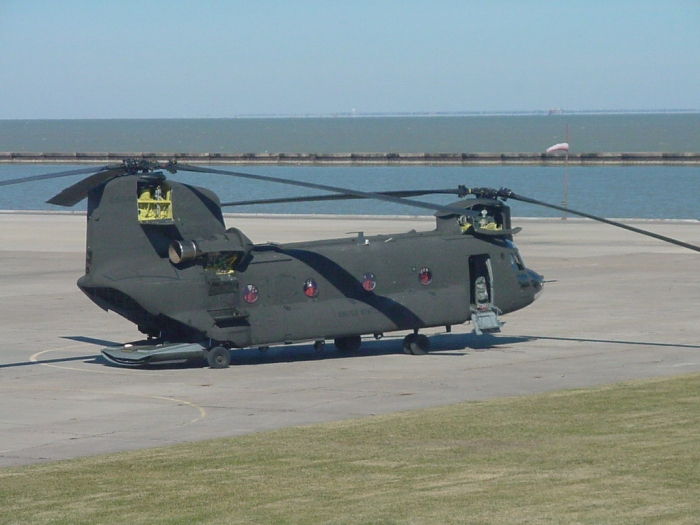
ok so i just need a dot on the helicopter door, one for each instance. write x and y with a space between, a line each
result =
481 295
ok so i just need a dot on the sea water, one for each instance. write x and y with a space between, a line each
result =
652 192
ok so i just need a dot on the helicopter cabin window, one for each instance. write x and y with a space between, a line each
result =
250 293
425 276
310 288
369 281
154 202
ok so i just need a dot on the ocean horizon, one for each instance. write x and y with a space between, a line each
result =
605 132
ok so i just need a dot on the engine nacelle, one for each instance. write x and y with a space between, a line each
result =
184 251
227 245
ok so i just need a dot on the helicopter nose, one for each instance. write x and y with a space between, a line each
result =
537 281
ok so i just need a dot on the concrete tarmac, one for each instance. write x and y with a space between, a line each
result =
617 306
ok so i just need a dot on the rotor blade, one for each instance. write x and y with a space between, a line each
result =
340 197
74 194
335 189
55 175
510 195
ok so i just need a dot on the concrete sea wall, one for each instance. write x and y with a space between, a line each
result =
363 159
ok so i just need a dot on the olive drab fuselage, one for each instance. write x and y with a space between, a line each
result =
158 253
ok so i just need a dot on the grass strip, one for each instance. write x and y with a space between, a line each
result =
624 454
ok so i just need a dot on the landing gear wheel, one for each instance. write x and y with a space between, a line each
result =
416 344
219 357
318 345
348 344
407 342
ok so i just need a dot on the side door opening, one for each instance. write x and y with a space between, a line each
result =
481 295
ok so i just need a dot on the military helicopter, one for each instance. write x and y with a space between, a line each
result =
159 254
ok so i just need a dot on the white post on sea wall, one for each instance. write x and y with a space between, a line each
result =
563 146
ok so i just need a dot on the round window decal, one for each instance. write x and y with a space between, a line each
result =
310 288
425 276
250 293
369 282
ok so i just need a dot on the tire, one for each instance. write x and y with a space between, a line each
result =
408 342
416 344
219 357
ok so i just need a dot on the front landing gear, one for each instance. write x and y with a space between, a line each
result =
218 357
416 344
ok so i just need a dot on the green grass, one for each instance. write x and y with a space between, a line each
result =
623 454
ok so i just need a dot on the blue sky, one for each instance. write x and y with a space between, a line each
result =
206 58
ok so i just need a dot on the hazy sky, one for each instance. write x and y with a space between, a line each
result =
206 58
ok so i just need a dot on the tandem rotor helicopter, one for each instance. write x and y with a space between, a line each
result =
159 254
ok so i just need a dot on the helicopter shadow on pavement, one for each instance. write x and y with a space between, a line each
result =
445 344
448 345
91 340
612 342
88 359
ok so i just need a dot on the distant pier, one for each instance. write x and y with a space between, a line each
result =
366 159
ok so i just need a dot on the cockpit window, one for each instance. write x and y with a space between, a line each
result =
515 260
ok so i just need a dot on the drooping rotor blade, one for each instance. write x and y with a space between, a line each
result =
507 194
339 197
72 195
55 175
78 191
323 187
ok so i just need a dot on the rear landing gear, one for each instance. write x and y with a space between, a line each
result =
219 357
416 344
